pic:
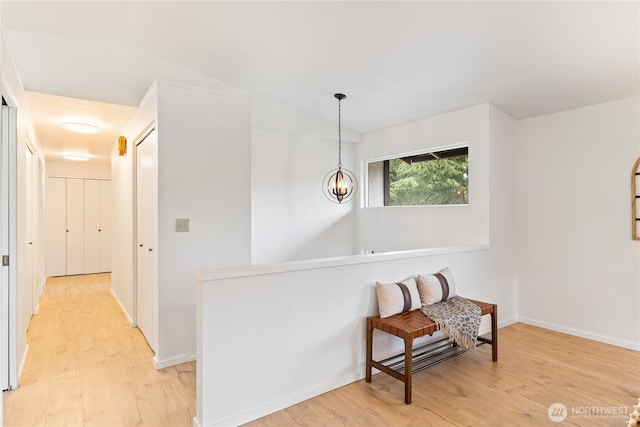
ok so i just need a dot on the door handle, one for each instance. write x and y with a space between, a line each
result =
31 243
150 250
141 245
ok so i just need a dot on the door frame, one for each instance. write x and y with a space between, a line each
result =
8 278
32 198
147 132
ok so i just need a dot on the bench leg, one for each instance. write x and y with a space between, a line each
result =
494 334
369 350
408 359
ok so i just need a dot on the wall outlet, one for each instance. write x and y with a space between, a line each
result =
182 225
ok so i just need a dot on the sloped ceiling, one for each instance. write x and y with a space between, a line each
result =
396 61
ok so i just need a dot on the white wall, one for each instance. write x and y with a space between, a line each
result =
488 219
203 174
329 333
306 332
578 267
13 88
502 260
123 251
291 152
404 227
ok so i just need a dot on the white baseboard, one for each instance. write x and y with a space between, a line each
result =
23 362
196 423
131 322
486 328
161 364
582 334
298 397
285 402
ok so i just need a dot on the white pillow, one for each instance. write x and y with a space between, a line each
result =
401 297
436 287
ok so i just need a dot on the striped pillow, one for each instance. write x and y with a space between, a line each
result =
401 297
436 287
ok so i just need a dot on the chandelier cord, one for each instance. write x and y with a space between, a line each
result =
339 135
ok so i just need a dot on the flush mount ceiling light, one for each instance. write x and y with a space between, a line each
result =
81 127
76 157
340 184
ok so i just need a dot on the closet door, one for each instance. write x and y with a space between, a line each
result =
105 226
56 226
75 226
92 226
145 238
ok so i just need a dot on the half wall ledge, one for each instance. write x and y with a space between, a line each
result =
311 264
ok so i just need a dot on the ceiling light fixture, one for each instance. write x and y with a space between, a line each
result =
76 157
340 184
81 127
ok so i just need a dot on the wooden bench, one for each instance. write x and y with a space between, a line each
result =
410 326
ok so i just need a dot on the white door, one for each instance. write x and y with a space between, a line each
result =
145 238
56 227
75 226
105 226
92 244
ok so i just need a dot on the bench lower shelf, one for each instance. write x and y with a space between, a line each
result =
422 357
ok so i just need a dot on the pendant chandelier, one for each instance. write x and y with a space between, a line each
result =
340 184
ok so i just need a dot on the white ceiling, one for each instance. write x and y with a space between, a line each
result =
50 111
396 61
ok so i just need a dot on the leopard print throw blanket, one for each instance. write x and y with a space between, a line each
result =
458 317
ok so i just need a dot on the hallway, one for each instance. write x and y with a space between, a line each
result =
86 366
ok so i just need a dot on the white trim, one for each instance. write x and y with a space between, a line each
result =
418 152
23 363
13 239
257 270
501 324
582 334
196 422
78 177
161 364
124 311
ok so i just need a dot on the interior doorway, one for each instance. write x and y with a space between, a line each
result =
8 212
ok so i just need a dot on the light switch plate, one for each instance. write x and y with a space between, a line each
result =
182 225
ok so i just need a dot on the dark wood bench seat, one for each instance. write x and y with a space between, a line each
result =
410 326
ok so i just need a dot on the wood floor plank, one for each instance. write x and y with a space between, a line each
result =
87 367
537 368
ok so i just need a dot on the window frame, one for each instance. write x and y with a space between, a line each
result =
418 153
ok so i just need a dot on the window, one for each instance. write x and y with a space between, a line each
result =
430 178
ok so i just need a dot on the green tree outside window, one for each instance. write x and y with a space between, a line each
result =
441 181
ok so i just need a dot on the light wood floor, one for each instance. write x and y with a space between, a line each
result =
536 368
86 366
